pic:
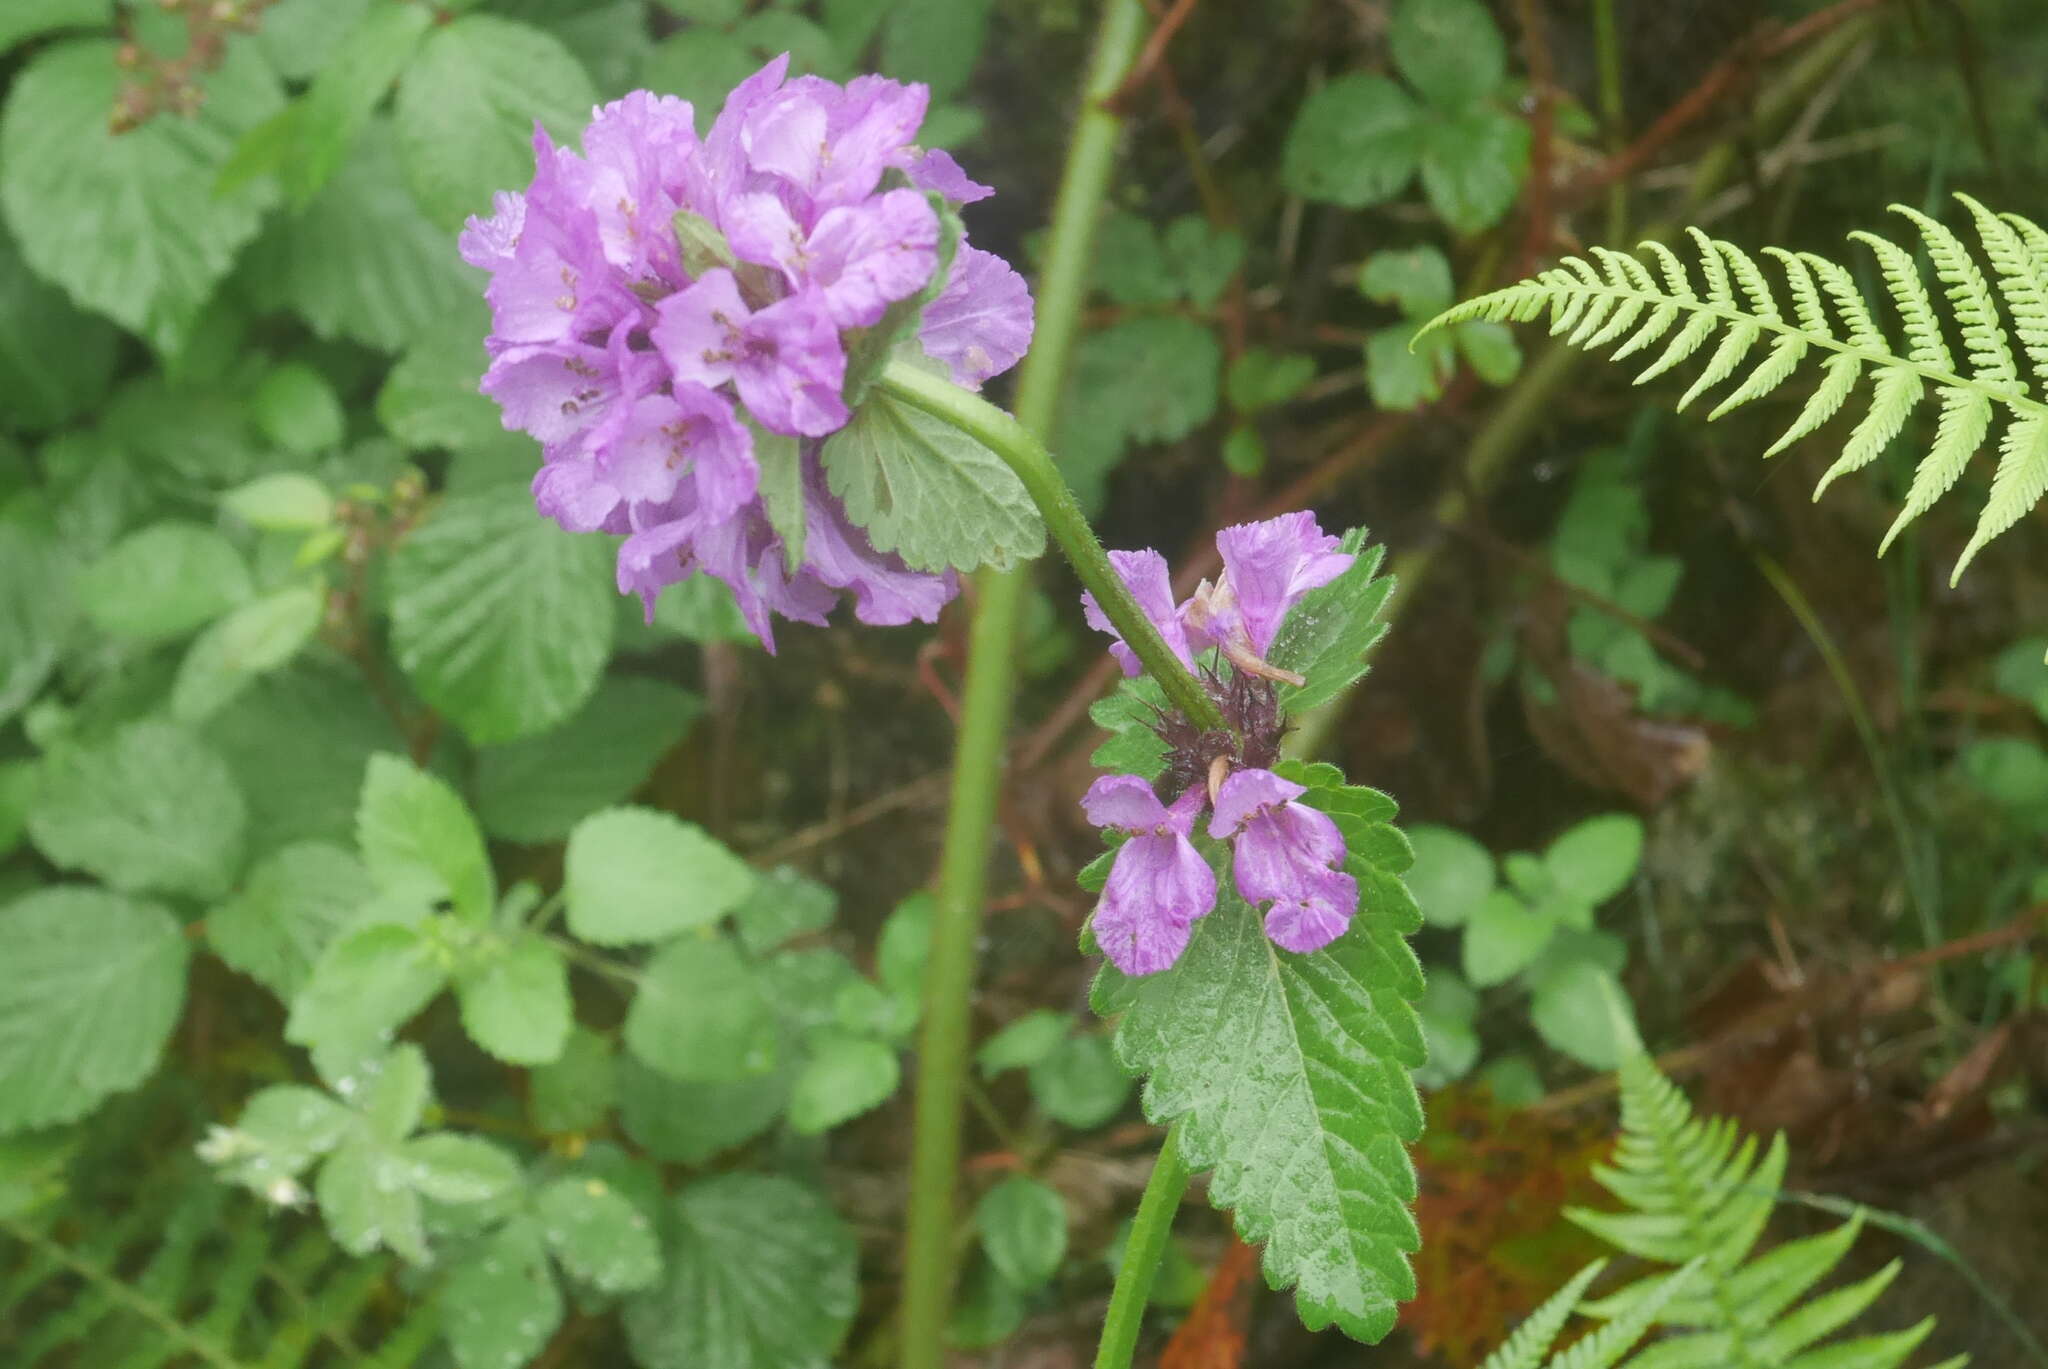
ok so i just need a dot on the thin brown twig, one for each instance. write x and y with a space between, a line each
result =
1539 229
1766 42
1150 56
1792 1007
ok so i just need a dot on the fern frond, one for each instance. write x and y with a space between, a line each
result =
1532 1340
1617 301
191 1272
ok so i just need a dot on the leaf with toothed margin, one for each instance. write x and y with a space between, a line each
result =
1288 1076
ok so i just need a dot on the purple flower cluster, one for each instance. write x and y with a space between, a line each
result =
664 307
1285 855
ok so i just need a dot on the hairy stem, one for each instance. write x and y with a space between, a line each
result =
1033 465
1149 1232
929 1258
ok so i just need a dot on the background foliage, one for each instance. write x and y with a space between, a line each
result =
413 957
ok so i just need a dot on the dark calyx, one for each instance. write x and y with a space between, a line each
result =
1249 705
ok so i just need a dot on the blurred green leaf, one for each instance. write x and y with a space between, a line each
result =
256 638
1415 280
934 41
290 907
598 1235
93 987
500 1304
1473 163
163 581
1079 1083
1593 861
515 1000
739 1244
1023 1227
700 1014
637 874
283 502
500 619
1261 379
365 985
56 362
1450 50
27 18
784 905
1451 875
295 407
575 1091
843 1077
1353 143
1571 1009
1024 1042
419 842
466 109
1447 1007
1204 257
150 809
129 225
688 1123
535 790
1503 937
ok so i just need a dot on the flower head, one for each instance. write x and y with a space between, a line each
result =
1287 858
659 300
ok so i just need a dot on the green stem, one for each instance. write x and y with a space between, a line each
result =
1027 457
1149 1232
929 1256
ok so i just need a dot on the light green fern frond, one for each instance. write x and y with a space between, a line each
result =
1697 1195
192 1272
2001 320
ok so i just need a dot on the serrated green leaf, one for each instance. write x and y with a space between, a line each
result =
1452 874
500 1304
928 492
361 261
1328 633
362 1210
577 1090
163 581
636 874
151 808
515 1001
700 1014
1288 1075
365 985
1450 50
292 905
1023 1227
1129 716
741 1245
129 225
1353 143
500 619
843 1077
598 1234
93 987
451 1168
1473 163
419 841
467 106
56 362
256 638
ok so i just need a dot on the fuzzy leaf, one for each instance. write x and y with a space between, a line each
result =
1288 1076
928 492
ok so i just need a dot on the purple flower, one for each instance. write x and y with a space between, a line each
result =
980 325
1158 883
1267 567
785 360
1144 575
1286 854
638 363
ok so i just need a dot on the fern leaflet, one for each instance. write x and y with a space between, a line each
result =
1697 1196
1615 300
